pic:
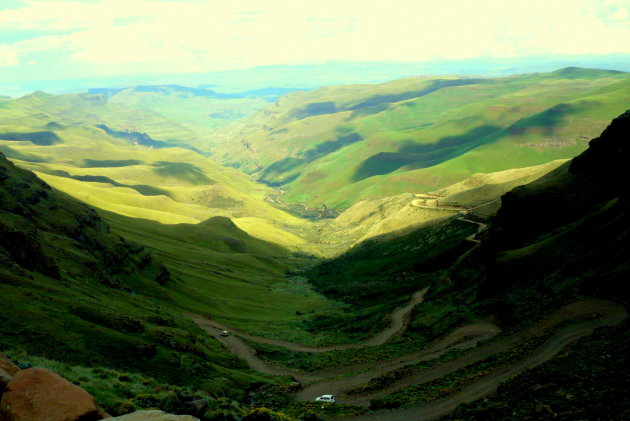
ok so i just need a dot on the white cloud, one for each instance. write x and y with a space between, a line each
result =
8 57
220 34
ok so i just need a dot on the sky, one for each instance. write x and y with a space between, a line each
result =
52 39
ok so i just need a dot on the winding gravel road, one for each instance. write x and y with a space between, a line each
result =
339 381
604 313
398 323
599 312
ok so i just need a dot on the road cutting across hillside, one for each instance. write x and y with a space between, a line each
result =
600 313
398 322
341 381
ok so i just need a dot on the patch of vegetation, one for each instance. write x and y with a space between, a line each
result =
316 411
121 392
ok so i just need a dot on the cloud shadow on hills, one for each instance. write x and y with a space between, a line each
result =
377 103
183 171
425 155
110 163
331 146
550 119
271 174
9 152
143 189
315 108
43 138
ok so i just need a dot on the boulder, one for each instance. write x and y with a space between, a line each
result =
37 394
295 387
153 415
8 366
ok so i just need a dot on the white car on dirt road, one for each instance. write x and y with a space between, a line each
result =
326 398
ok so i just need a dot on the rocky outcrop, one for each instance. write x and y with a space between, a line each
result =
153 416
37 394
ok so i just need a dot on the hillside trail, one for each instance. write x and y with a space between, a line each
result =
464 211
481 225
600 312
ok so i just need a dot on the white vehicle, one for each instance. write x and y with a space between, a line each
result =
326 398
224 333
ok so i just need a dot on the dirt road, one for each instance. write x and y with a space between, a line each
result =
398 322
603 313
600 313
339 381
481 225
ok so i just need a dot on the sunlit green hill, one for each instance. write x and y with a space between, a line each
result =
76 296
80 145
339 144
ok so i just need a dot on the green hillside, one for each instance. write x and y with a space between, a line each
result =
81 144
106 296
557 247
73 291
337 145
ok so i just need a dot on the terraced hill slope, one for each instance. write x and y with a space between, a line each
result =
337 145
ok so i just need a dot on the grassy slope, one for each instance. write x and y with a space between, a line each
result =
228 275
339 144
169 185
71 290
589 381
379 274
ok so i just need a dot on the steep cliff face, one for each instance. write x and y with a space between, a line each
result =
44 231
565 234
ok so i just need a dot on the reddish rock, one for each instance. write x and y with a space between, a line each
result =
37 394
8 366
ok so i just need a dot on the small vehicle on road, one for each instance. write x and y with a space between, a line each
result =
224 333
325 398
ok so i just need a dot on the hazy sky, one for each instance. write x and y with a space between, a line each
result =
52 38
